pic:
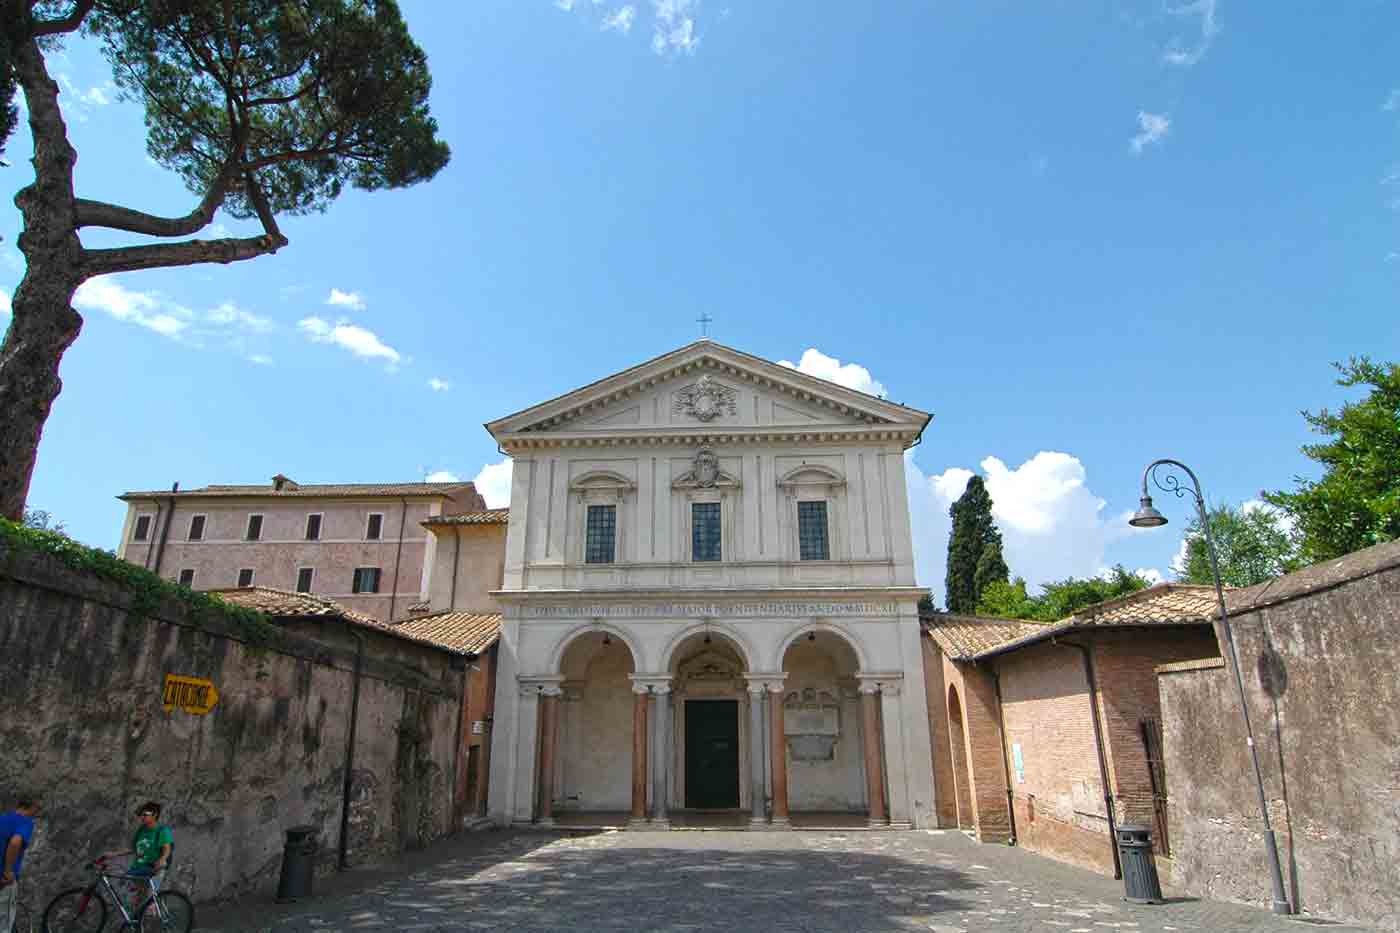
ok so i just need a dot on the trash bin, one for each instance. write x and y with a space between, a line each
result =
1140 884
298 864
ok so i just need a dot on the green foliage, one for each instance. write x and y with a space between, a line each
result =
973 535
44 521
147 590
1057 600
1252 545
310 95
9 113
1356 503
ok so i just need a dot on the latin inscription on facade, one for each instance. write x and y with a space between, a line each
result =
706 610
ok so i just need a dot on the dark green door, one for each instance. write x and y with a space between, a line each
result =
711 754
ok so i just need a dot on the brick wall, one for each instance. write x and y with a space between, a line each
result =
979 774
936 695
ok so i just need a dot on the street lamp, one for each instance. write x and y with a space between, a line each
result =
1148 517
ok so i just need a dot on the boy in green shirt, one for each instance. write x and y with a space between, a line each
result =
153 844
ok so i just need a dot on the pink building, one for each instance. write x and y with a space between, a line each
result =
362 545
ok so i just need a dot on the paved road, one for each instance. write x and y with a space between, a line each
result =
779 882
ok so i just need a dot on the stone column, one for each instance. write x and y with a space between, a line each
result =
639 753
896 778
874 772
778 750
549 727
756 795
661 789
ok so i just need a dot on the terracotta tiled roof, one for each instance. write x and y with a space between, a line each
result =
419 608
306 490
487 517
965 638
460 630
284 604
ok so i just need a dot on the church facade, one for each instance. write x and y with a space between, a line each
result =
708 602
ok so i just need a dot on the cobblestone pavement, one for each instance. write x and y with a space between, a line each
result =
684 881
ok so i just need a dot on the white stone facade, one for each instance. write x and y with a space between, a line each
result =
603 663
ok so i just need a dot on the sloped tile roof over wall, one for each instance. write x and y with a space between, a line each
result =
462 631
971 638
485 517
284 604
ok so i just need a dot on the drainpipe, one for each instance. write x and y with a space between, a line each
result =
1098 747
165 530
343 853
458 798
1005 760
456 551
393 597
151 542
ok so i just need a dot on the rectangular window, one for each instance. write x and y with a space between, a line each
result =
366 580
187 577
142 529
374 527
313 527
600 535
245 577
196 527
812 540
304 576
254 528
704 531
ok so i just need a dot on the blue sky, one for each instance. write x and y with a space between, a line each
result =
1084 235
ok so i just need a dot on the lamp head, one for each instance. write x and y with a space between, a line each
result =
1146 516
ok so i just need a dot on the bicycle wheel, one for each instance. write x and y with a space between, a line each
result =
77 910
168 912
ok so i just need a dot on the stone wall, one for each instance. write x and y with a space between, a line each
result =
1328 733
83 726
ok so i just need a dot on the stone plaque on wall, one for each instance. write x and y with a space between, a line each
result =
812 747
811 712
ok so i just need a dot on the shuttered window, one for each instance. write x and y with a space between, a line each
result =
142 529
197 528
313 527
187 577
375 526
304 576
254 528
245 577
366 580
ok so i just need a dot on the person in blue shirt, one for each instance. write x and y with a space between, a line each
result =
16 829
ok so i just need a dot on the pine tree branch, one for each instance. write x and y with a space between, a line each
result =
69 23
188 253
113 216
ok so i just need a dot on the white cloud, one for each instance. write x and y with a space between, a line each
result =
816 363
565 5
621 19
77 102
1186 56
145 309
4 303
230 314
439 385
441 476
493 482
1392 102
674 29
1152 127
352 300
262 359
1151 574
360 341
1052 524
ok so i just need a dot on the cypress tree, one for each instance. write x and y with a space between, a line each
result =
974 533
991 566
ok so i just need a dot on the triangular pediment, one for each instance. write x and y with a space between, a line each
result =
706 388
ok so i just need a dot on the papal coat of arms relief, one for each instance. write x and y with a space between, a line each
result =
706 400
706 470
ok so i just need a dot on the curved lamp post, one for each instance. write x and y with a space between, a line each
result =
1148 517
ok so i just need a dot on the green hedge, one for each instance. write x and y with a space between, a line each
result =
146 589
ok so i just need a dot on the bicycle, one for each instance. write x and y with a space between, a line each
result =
84 909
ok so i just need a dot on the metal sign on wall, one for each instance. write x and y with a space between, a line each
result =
193 695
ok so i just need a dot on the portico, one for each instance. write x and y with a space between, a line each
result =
709 610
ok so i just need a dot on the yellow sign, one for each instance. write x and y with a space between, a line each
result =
191 694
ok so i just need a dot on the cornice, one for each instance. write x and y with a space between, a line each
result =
680 594
712 436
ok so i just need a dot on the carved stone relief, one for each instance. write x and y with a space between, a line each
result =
706 400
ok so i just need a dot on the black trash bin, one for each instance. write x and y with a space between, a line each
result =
1140 884
298 864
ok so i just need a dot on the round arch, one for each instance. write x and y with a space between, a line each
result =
741 644
556 657
862 662
957 743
